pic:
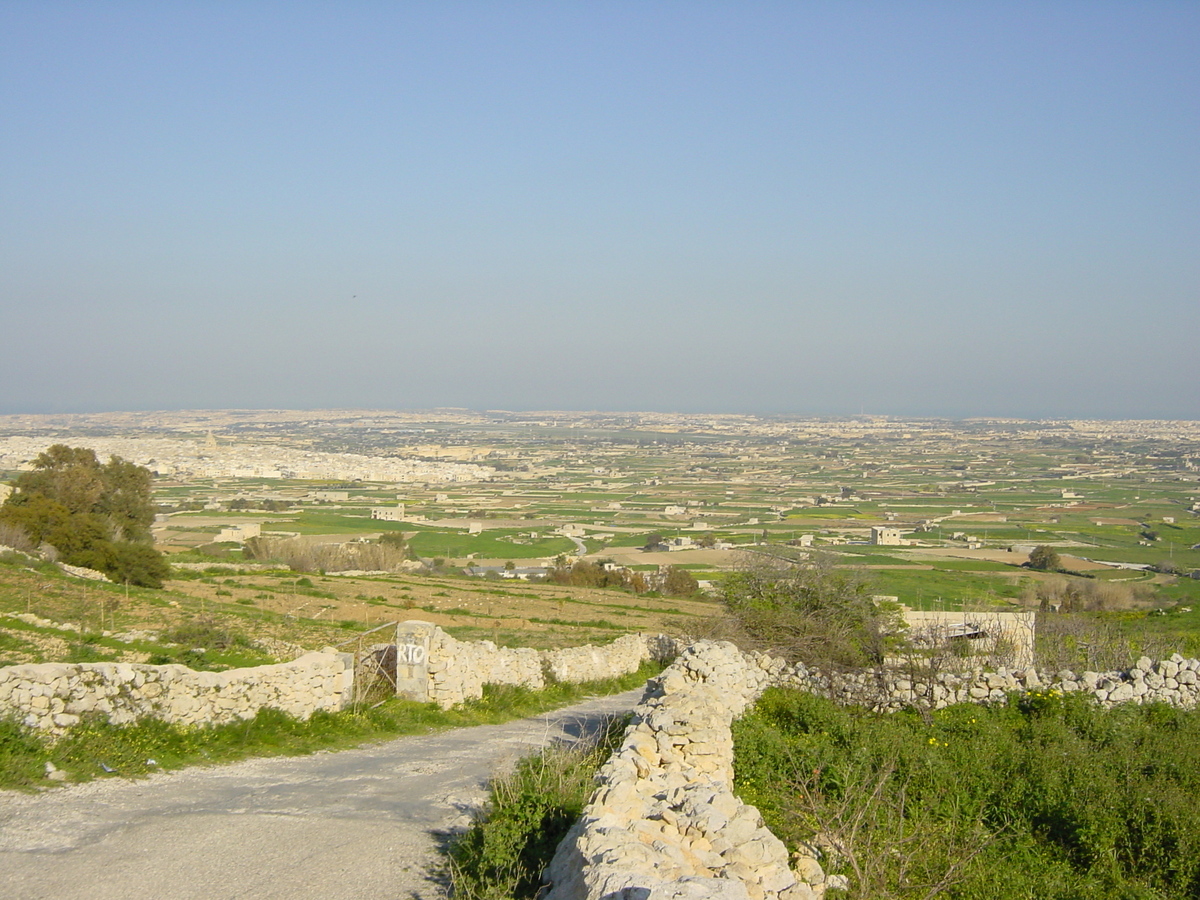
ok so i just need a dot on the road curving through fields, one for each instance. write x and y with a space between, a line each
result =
335 826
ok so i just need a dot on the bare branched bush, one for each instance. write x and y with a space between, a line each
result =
14 536
1082 642
300 555
1064 594
889 846
808 609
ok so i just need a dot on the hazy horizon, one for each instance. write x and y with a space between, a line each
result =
334 411
929 209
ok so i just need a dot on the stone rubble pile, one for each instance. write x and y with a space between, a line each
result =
52 697
39 622
77 571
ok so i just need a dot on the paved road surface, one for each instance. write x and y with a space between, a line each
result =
352 825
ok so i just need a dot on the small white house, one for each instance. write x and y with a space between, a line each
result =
239 533
883 536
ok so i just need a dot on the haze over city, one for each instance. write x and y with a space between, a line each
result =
921 209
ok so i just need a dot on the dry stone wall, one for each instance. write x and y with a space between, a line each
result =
458 670
52 697
664 821
430 666
1174 681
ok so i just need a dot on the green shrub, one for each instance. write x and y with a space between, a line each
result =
22 756
207 632
1048 797
529 812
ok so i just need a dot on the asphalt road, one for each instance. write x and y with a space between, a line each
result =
351 825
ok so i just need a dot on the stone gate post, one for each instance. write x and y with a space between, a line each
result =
412 660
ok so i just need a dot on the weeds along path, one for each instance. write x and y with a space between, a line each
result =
335 826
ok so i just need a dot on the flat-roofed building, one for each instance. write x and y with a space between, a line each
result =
883 536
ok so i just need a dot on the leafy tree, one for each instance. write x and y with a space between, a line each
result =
93 514
71 476
126 502
1044 559
37 516
679 582
140 564
394 539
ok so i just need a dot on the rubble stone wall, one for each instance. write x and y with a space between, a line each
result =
1174 681
52 697
664 821
458 670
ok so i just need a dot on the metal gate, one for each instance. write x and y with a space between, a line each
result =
374 664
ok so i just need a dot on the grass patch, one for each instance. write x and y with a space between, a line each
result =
1049 797
971 565
529 812
932 588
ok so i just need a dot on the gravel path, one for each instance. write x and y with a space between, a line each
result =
352 825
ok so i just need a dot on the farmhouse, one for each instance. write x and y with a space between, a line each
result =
883 536
239 533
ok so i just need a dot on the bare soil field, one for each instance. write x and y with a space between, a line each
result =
1073 563
1000 556
632 556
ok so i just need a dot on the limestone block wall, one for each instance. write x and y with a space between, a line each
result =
52 697
622 656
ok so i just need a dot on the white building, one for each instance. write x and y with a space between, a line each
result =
389 513
883 536
239 533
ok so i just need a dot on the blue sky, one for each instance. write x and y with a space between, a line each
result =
912 208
